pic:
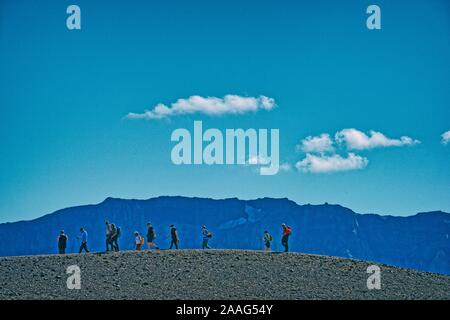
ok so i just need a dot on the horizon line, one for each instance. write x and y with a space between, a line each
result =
222 199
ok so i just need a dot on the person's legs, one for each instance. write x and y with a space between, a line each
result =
150 243
176 244
171 244
154 245
83 246
108 242
115 244
284 243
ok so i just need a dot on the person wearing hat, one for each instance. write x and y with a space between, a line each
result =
138 241
84 239
287 231
206 235
174 236
151 236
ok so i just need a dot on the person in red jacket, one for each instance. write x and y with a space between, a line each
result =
285 236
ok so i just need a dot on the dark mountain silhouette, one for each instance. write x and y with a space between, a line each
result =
420 242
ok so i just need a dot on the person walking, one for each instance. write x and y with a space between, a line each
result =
84 239
206 235
108 236
138 241
151 236
62 242
115 234
287 231
267 238
174 236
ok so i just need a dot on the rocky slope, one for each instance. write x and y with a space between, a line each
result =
211 274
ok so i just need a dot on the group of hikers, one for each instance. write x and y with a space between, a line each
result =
113 233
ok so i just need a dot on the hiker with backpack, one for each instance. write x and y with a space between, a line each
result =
115 234
267 238
138 241
287 231
206 235
62 242
84 238
151 236
108 236
174 237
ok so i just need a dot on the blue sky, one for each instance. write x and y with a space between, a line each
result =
64 96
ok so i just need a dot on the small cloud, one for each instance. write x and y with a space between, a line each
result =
358 140
334 163
258 161
317 144
212 106
445 138
286 167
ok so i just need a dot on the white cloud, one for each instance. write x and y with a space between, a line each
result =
357 140
213 106
319 144
323 164
285 167
258 160
445 137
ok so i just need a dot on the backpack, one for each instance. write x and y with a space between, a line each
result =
62 239
288 231
269 237
118 232
141 239
152 232
210 235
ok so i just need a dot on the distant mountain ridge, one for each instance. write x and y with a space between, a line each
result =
419 242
